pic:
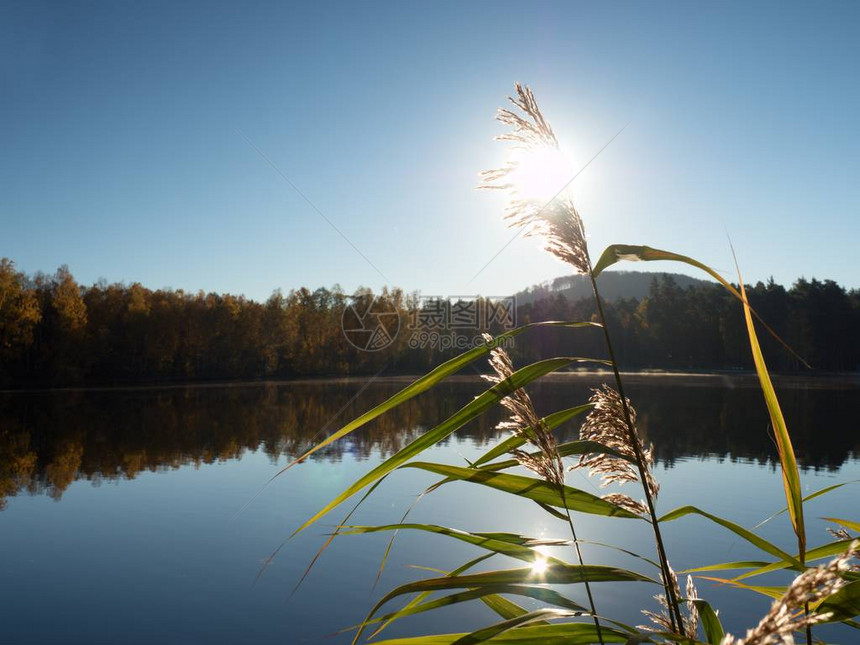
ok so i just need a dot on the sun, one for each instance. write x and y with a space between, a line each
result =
539 566
541 173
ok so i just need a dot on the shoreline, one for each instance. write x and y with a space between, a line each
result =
702 378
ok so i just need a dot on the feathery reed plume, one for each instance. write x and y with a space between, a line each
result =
692 610
562 227
839 534
525 423
662 621
786 615
560 224
607 424
556 219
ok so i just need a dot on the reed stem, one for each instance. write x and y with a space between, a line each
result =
581 563
671 598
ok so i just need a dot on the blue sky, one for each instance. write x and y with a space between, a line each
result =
120 155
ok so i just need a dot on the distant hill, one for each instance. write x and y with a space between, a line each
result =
614 285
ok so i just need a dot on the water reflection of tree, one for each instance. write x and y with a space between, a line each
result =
47 441
17 459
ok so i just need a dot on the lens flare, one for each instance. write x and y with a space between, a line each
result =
539 566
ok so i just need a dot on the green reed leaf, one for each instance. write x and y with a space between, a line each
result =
811 496
790 472
711 624
490 595
453 599
522 581
502 606
848 524
556 634
635 253
632 554
532 488
570 448
502 448
505 608
824 551
511 545
723 566
428 381
473 409
328 541
567 449
523 540
419 598
844 604
747 535
552 421
771 592
487 633
791 476
554 574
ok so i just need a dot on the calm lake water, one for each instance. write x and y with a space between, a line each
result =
120 513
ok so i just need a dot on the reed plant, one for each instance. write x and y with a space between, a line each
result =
610 447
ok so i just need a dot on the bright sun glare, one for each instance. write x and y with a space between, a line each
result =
539 566
541 173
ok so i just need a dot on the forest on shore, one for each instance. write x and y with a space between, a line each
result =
55 332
